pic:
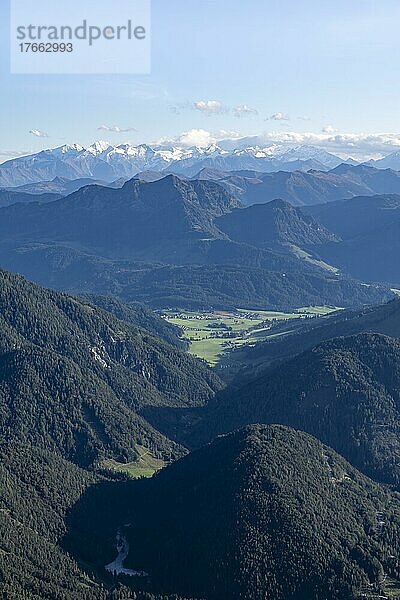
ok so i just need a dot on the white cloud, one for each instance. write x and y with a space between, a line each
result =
210 107
39 133
279 116
244 110
115 129
226 134
201 138
196 137
304 118
361 146
328 129
358 145
14 153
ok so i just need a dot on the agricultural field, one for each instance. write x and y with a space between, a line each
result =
145 466
213 334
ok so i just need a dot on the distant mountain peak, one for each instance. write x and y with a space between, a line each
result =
280 203
102 160
66 149
99 147
275 222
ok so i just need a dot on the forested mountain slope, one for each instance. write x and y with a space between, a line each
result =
141 316
74 382
344 391
265 512
91 371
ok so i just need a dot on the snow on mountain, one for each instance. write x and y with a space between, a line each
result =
107 162
99 147
67 149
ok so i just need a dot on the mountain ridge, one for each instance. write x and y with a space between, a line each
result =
101 160
122 241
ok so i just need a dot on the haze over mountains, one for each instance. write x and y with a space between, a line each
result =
300 182
168 242
61 186
369 228
9 197
99 221
307 187
96 388
104 161
276 222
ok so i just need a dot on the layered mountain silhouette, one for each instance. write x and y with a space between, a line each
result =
124 221
61 186
125 241
359 216
104 161
9 197
306 187
301 183
391 161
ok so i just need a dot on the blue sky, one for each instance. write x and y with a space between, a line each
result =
227 66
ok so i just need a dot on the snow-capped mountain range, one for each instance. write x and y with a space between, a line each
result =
103 161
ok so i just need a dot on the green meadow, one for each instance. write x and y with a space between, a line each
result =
145 466
213 334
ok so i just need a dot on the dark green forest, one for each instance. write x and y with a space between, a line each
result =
344 391
264 512
74 382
